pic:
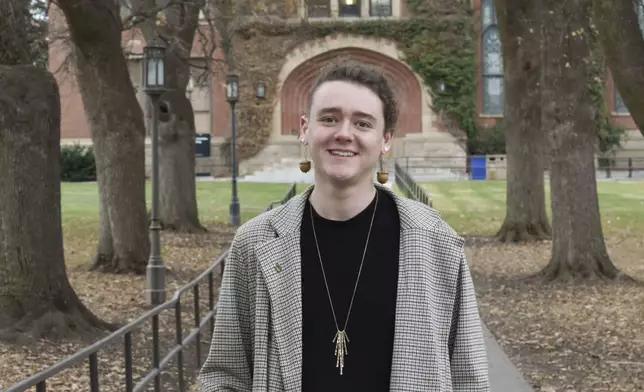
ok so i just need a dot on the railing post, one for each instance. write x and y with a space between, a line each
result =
156 355
630 167
93 371
129 380
197 322
179 341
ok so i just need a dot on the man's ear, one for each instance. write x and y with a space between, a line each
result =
304 127
389 137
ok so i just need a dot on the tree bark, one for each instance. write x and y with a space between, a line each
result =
118 133
520 29
15 37
177 188
35 295
578 250
178 193
621 39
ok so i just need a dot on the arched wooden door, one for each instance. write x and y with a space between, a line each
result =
295 90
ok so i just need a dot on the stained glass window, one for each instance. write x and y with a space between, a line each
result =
492 60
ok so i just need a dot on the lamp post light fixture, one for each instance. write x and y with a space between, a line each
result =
154 86
232 96
260 90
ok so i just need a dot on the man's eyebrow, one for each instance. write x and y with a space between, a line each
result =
337 109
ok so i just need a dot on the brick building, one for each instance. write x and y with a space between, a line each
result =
420 133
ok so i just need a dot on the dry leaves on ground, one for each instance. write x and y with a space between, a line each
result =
563 338
581 337
120 299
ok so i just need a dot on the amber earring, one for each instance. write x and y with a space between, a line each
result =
305 164
382 175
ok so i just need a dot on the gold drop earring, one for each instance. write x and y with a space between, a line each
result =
382 175
305 165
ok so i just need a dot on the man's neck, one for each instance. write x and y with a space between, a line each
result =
341 203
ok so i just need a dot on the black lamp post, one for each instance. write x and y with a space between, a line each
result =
232 96
154 87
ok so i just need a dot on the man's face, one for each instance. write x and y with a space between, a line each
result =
345 132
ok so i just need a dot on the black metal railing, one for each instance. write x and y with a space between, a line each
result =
409 187
159 364
495 166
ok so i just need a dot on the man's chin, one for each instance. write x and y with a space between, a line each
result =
342 177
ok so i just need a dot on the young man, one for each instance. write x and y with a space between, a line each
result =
348 286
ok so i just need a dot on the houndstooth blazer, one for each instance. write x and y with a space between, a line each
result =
257 339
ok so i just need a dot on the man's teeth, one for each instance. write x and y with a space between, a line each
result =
343 153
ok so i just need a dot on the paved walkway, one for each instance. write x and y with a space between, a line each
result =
504 376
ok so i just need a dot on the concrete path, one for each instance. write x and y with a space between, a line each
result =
504 376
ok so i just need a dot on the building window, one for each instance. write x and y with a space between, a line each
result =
620 107
492 60
380 8
349 8
319 8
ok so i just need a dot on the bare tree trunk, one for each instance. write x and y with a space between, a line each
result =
177 189
118 133
579 250
35 295
621 39
520 28
178 193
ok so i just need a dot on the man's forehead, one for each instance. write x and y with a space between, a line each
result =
352 111
346 98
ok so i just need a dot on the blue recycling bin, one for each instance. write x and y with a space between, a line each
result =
478 169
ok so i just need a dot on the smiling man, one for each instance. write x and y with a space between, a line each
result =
348 286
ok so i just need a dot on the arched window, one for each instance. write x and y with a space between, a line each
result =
620 107
492 60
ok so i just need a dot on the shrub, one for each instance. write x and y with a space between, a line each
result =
77 163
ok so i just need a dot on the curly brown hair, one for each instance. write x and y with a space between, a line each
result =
364 75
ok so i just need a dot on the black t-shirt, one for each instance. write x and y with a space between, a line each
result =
371 324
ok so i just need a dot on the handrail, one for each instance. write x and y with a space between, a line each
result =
90 352
409 187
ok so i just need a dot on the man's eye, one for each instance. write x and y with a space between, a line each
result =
328 119
363 124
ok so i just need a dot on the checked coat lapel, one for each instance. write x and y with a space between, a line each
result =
280 264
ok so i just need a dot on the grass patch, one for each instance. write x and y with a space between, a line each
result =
478 207
79 203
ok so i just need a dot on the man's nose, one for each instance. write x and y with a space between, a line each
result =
344 131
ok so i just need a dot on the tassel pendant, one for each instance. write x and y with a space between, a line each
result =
341 339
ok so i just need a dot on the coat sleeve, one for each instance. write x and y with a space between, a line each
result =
468 355
228 367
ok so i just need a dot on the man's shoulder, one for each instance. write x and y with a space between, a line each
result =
426 218
256 230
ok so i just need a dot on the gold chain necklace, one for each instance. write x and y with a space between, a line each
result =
341 339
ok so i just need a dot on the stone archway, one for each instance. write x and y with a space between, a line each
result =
295 88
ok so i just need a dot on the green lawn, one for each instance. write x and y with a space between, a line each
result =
79 202
478 207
